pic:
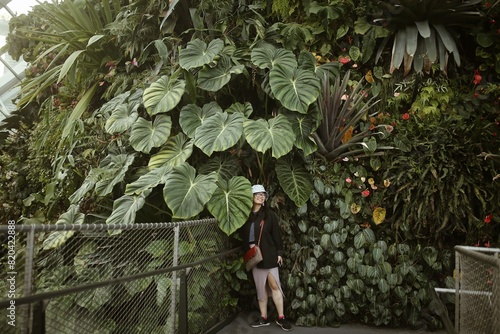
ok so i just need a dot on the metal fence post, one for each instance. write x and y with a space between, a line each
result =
28 276
173 296
183 303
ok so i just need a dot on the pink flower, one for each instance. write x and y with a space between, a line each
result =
365 193
348 180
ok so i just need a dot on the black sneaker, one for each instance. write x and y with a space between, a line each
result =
260 323
284 324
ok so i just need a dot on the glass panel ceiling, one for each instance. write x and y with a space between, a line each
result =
11 72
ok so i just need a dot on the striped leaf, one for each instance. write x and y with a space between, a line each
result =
295 180
163 95
192 116
197 53
145 134
176 151
219 132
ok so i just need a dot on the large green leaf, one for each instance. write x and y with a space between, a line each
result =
213 79
113 169
295 180
231 203
163 95
275 134
448 41
398 49
296 89
59 238
303 126
185 193
121 119
219 132
246 109
192 116
177 149
145 134
197 53
225 166
309 63
149 180
268 57
125 208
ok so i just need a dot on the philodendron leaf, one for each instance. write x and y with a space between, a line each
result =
231 202
185 193
268 57
163 95
197 53
295 88
276 134
219 132
192 116
177 150
430 255
126 207
225 166
295 180
303 126
59 238
213 79
145 134
149 180
121 119
87 185
112 172
246 109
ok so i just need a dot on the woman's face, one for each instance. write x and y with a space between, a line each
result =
259 198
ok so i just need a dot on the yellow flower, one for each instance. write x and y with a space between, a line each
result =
355 208
379 215
387 183
371 181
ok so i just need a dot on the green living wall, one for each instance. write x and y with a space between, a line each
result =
373 125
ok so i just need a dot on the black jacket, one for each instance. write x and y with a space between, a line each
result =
270 243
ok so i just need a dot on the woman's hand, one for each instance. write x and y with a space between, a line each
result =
280 261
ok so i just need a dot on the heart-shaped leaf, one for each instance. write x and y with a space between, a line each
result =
276 134
192 116
219 132
225 166
177 150
231 203
246 109
295 88
113 169
197 53
213 79
303 126
121 119
163 95
185 193
268 57
145 134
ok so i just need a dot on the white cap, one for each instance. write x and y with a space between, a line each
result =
258 188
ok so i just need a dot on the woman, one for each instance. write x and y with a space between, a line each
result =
265 274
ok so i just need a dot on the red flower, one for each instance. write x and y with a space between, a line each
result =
344 60
365 193
477 245
487 4
488 244
406 116
487 219
477 78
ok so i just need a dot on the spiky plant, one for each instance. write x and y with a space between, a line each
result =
424 31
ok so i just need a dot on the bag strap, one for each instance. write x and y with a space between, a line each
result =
260 234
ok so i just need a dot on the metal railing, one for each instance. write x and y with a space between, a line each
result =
99 278
477 291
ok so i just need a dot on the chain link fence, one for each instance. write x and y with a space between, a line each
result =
93 278
477 291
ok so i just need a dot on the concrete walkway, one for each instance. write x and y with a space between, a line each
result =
240 325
